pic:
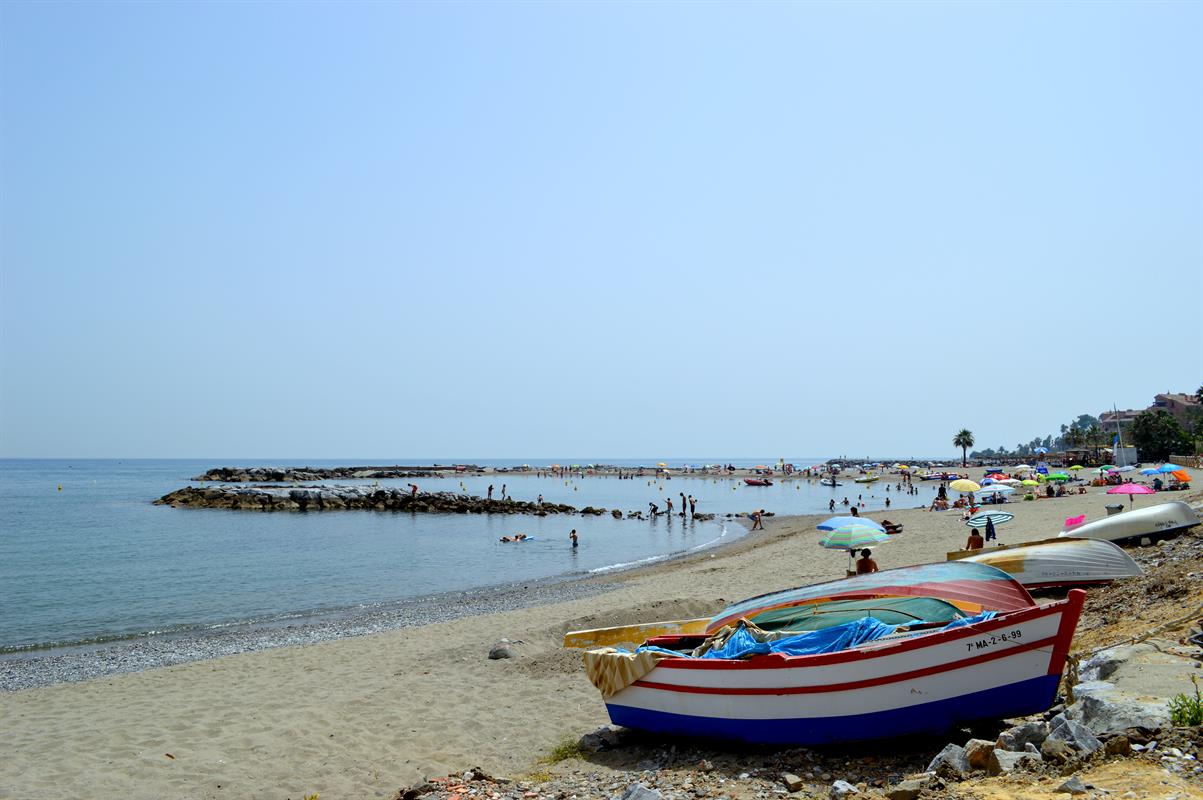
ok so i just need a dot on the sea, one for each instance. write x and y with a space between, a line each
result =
86 558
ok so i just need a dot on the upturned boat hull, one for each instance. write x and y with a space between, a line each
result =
1057 562
1154 522
925 684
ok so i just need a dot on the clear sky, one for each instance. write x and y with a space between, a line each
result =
382 229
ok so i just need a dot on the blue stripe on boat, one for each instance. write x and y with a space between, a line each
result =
1013 700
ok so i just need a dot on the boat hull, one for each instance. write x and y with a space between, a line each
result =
1154 522
1057 562
925 684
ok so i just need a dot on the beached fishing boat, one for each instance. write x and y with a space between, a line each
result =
867 478
1056 562
830 482
896 681
758 482
1155 522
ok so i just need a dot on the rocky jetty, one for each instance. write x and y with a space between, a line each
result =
291 474
339 498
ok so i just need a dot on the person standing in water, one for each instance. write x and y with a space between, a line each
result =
572 536
682 503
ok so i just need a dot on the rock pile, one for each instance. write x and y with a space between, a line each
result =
339 498
291 474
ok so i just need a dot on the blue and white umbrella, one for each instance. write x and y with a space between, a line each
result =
1040 450
1168 468
849 523
979 519
1149 471
996 488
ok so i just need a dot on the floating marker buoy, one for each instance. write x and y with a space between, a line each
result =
60 487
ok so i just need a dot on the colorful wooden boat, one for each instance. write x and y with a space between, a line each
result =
758 481
1056 562
634 634
921 683
1155 522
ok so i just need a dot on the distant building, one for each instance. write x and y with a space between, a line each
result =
1108 419
1176 403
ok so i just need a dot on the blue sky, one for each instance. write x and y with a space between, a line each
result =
324 230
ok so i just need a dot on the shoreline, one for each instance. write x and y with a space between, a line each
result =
43 666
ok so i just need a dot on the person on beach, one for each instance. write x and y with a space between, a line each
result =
503 491
668 502
540 500
975 541
831 504
572 536
682 503
855 513
693 506
887 502
490 491
758 520
413 490
991 534
653 509
865 564
845 501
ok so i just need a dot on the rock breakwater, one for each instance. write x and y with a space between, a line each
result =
339 498
288 474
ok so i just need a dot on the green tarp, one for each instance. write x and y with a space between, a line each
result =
890 610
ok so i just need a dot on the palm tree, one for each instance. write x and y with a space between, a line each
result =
963 440
1095 438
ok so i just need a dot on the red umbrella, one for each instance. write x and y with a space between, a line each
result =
1130 489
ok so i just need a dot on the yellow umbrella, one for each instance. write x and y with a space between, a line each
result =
965 485
1030 482
903 466
662 464
1077 466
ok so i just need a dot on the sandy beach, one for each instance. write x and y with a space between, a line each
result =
362 716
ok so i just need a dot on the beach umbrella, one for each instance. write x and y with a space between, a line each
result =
1030 482
662 464
1040 450
1182 476
979 519
988 481
1126 468
1130 489
1077 467
1011 481
849 523
1058 476
1022 467
965 485
998 488
1168 468
1149 472
853 537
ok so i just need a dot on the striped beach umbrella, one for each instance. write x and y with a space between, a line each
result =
849 523
979 519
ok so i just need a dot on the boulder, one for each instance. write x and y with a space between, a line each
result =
792 782
841 790
1055 751
909 789
604 738
503 649
1074 786
1004 762
977 753
1074 734
1104 709
951 760
637 791
1017 737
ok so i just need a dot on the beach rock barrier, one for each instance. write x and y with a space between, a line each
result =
340 498
290 474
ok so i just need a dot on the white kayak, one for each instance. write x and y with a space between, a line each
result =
1056 562
1155 522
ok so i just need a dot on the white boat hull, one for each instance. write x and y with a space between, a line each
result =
1155 522
1057 562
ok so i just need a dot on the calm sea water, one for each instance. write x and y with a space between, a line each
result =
95 561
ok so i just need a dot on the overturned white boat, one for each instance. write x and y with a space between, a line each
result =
1056 562
1155 522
